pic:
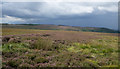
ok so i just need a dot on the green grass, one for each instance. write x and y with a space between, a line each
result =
14 47
46 53
42 44
96 53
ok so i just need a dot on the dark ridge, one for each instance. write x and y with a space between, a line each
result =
59 27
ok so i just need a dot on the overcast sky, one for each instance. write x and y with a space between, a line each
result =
85 14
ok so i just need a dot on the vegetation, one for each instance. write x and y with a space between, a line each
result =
59 27
45 50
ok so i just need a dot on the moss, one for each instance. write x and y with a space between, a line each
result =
92 62
41 60
14 47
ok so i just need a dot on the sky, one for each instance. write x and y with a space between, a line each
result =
83 14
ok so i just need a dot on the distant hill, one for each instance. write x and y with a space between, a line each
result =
58 27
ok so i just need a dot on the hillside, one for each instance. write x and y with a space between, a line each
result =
34 48
58 27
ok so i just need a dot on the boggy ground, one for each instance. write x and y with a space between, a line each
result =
47 48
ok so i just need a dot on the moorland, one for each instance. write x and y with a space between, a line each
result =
58 46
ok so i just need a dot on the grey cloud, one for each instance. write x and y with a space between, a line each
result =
60 13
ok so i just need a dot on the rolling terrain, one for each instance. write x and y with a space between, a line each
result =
58 27
35 46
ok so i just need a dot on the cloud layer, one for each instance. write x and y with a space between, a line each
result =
54 9
60 0
55 12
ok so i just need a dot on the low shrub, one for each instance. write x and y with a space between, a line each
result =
43 44
14 62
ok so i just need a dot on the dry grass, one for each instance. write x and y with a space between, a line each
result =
47 48
54 35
